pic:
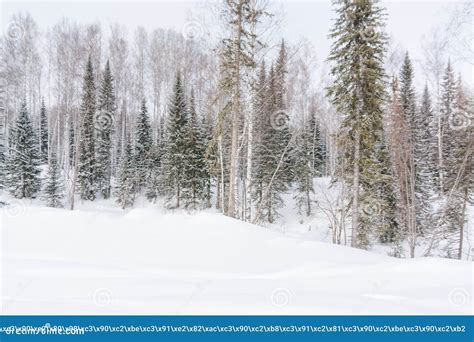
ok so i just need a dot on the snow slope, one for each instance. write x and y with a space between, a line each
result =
146 261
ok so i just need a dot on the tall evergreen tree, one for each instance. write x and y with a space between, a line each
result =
23 159
174 159
407 93
303 172
425 159
53 191
317 146
125 191
358 92
104 126
448 88
44 135
143 144
274 154
87 174
459 174
196 176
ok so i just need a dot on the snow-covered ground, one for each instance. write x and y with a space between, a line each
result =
102 260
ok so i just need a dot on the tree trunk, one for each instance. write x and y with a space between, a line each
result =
355 190
235 116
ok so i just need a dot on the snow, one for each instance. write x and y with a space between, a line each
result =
102 260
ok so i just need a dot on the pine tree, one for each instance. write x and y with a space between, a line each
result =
175 156
53 191
274 159
87 174
302 170
195 173
358 93
125 191
155 180
448 88
143 144
317 146
260 108
425 159
407 93
459 162
23 160
104 127
44 135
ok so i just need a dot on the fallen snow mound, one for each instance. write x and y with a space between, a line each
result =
146 261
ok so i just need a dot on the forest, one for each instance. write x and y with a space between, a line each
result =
238 121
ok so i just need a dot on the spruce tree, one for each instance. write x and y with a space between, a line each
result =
459 180
260 108
448 88
53 191
407 93
302 170
143 144
43 133
87 168
274 154
174 159
24 157
126 185
195 173
104 127
425 159
358 93
317 147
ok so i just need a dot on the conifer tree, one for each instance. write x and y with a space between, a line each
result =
274 160
448 87
195 173
459 180
44 135
126 185
302 170
104 127
53 191
358 93
317 147
407 93
23 158
143 144
87 168
425 159
174 159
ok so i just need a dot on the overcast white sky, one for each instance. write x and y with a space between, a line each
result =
408 21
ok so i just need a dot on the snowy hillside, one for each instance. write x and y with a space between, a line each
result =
145 261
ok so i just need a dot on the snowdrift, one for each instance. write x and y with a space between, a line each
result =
145 261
